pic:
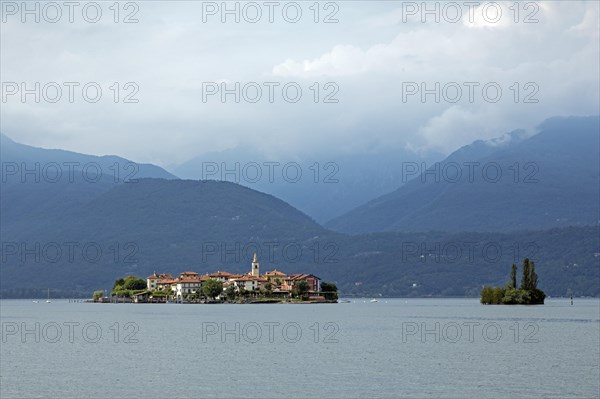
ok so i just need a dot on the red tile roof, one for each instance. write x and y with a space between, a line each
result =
167 281
220 274
250 278
274 272
159 276
295 277
188 280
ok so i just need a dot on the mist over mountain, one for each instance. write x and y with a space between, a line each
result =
323 188
548 180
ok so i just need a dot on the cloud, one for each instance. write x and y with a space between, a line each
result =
496 15
368 55
342 60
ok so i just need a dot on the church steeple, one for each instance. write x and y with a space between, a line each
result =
255 266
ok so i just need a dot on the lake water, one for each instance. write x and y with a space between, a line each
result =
417 348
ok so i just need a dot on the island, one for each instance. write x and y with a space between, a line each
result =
222 287
527 294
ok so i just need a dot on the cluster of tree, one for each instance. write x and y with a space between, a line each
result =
212 288
527 294
329 291
127 286
301 290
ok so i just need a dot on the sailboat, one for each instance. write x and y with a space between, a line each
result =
48 300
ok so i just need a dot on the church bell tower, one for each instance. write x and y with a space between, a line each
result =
255 266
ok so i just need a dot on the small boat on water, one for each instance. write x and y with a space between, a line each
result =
374 300
343 301
36 301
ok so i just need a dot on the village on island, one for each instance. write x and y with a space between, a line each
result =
221 287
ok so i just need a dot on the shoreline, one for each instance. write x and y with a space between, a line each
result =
265 302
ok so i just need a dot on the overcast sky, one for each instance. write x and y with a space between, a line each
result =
373 58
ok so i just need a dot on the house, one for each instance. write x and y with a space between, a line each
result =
185 287
222 276
249 283
166 283
152 281
275 277
314 283
141 297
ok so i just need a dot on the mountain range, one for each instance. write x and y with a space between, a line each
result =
550 179
323 188
112 166
77 235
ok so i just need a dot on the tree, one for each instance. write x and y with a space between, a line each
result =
492 295
97 295
198 294
533 278
329 291
486 295
513 276
301 288
121 293
134 283
527 294
230 292
525 280
118 282
515 296
160 293
537 297
268 289
497 295
212 288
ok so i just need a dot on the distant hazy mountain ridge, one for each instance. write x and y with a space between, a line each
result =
548 180
320 187
111 166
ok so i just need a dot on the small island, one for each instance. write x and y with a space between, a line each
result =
222 287
527 294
